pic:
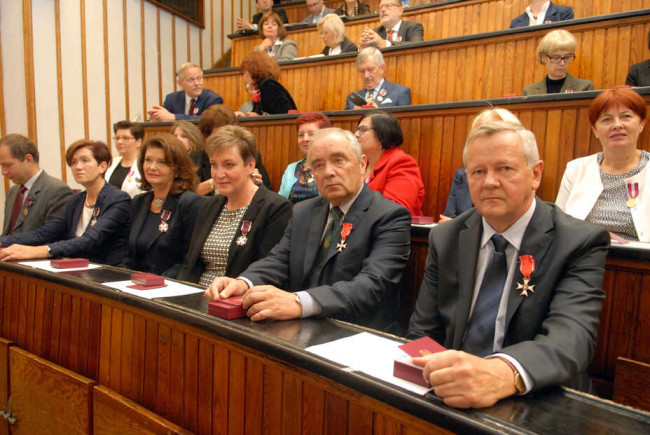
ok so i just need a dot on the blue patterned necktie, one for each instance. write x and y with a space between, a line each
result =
479 338
332 232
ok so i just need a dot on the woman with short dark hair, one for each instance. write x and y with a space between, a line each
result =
274 43
123 173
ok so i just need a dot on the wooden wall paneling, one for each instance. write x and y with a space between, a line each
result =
179 373
632 383
236 394
40 388
126 354
4 380
30 94
272 393
220 373
313 403
115 414
292 401
190 384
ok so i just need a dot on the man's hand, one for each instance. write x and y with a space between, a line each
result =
269 302
160 114
223 287
256 177
242 24
463 380
371 38
444 218
23 252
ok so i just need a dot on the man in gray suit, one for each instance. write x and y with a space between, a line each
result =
393 29
514 284
343 253
35 197
318 11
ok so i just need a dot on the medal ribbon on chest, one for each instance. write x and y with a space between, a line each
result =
28 202
345 232
164 217
245 228
632 193
93 221
526 267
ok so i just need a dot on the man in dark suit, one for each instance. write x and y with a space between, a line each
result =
536 13
190 101
393 29
377 91
35 197
639 73
318 11
513 284
343 253
263 6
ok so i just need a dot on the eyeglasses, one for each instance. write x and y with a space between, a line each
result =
123 138
363 128
557 59
389 5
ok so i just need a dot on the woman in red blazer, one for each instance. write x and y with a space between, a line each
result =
390 171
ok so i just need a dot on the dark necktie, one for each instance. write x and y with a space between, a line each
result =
18 205
192 103
479 339
331 234
390 35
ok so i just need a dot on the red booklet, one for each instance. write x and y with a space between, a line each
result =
146 281
230 308
403 368
422 220
69 263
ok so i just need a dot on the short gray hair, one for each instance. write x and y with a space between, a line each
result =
335 131
370 52
528 141
185 67
494 112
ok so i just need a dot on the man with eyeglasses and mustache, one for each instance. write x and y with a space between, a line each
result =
190 101
393 29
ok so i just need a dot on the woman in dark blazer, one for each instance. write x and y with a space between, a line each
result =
162 219
260 74
95 223
332 32
243 222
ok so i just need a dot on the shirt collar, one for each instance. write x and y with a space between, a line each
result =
396 27
29 183
541 14
515 233
345 207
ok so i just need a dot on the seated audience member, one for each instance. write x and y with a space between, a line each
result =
264 6
190 101
95 223
298 182
377 91
513 286
612 188
332 32
318 11
393 29
459 199
352 8
274 43
542 12
123 173
189 135
343 254
163 217
35 197
243 222
639 73
556 51
390 171
212 120
260 74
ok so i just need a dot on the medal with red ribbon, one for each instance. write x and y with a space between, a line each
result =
381 95
245 228
93 221
164 217
130 175
632 193
526 267
345 232
28 202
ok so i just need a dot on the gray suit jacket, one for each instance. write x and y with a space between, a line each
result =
395 95
552 332
358 284
409 31
309 18
46 199
639 74
285 52
571 84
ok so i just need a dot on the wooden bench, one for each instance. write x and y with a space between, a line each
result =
632 383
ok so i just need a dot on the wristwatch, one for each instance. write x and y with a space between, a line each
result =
519 384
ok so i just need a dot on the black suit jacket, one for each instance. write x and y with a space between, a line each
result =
202 162
553 13
175 103
552 332
639 74
281 13
166 251
104 242
269 213
358 284
409 31
274 98
459 199
347 46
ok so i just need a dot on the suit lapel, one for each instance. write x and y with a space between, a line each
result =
536 242
9 206
171 204
312 244
138 218
251 214
216 203
468 248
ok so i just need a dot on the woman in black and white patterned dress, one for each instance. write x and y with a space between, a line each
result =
243 222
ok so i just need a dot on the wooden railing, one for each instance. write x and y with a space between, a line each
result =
459 69
441 20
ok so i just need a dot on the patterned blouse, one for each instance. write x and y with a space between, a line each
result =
305 185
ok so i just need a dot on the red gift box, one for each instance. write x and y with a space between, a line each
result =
422 220
403 368
229 309
147 279
69 263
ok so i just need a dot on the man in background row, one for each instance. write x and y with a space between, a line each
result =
263 6
318 11
190 101
35 197
393 29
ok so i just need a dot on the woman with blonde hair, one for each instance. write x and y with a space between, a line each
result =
332 32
